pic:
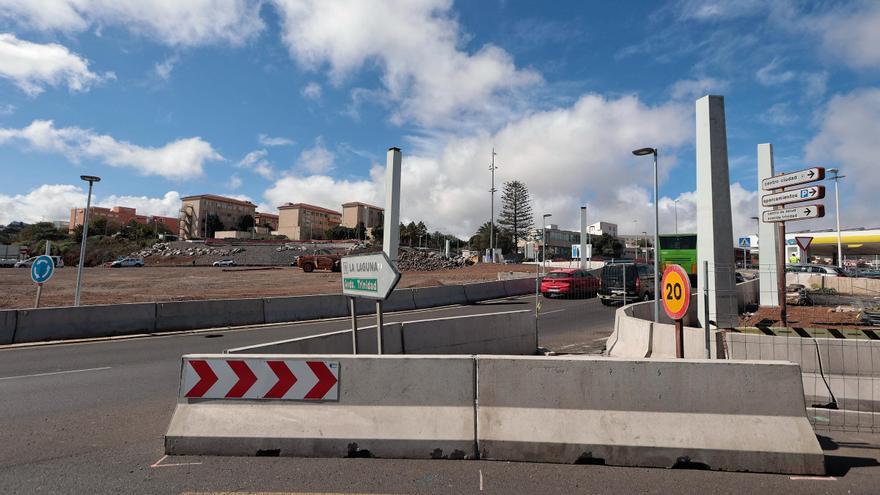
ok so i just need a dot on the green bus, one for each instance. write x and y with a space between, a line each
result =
679 249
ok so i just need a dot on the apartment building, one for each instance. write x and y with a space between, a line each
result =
600 228
356 212
266 220
301 221
119 215
194 212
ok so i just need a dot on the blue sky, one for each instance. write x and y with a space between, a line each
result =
298 100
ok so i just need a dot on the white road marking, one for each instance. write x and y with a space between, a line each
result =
813 478
554 311
54 373
158 465
481 480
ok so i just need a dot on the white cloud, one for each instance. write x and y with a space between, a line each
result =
179 159
163 69
312 91
715 10
256 161
565 156
771 75
274 141
51 202
691 89
426 75
7 109
234 182
779 114
172 22
850 124
316 160
33 66
852 34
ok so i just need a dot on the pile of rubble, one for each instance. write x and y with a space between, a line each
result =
166 250
426 261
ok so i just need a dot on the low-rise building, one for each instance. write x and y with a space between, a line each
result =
356 212
267 220
119 215
195 210
600 228
302 221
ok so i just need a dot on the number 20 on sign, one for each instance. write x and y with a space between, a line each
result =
676 291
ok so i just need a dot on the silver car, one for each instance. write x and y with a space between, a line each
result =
821 270
224 263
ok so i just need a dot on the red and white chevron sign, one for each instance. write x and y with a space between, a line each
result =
282 379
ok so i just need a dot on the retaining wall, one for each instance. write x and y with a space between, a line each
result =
32 325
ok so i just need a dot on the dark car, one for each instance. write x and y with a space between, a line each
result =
569 282
626 282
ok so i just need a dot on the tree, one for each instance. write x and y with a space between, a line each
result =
245 223
607 246
338 232
516 211
480 240
360 231
214 224
40 231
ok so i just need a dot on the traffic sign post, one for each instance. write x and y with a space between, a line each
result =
675 293
782 214
369 276
42 270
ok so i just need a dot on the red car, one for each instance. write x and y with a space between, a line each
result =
570 282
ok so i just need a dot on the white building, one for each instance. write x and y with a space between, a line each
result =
600 228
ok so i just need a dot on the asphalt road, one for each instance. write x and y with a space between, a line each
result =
89 418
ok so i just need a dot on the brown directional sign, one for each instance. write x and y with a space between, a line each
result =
793 178
794 213
794 196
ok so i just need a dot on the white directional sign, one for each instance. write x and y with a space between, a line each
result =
797 213
794 196
371 276
793 179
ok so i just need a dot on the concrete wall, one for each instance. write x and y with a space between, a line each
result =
34 325
31 325
854 286
568 410
534 409
511 332
747 294
388 406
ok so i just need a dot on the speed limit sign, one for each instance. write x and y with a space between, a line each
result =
675 288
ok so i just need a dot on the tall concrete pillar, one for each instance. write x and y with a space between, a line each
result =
714 222
583 237
768 235
391 229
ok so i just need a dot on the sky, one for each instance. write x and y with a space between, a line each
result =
280 101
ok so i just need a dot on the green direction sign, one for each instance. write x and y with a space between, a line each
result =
370 276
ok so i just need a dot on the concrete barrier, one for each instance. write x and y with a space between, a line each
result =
632 337
510 332
388 406
399 300
747 294
663 342
651 413
186 315
34 325
484 291
519 286
8 320
444 295
301 308
332 343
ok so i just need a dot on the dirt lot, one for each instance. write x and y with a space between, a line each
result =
806 317
123 285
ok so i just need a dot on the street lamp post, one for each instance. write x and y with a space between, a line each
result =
644 152
836 172
646 246
544 243
91 179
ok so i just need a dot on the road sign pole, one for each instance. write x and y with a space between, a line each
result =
780 275
378 327
354 326
679 339
708 331
39 292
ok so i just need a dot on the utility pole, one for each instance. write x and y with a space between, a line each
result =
492 168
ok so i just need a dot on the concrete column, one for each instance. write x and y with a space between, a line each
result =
583 237
714 223
391 229
768 235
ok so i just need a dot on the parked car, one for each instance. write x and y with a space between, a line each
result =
126 262
626 282
821 270
30 261
224 263
569 282
324 261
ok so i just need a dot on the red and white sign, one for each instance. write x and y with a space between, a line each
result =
260 378
803 242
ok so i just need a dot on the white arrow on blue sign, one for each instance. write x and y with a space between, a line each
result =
42 269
